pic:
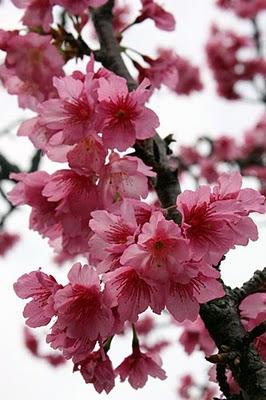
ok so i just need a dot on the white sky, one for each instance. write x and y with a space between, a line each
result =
26 378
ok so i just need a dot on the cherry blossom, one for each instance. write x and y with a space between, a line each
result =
138 366
82 309
38 13
30 65
98 370
42 288
123 118
7 241
162 19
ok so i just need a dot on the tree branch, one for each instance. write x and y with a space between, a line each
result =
256 284
220 316
152 151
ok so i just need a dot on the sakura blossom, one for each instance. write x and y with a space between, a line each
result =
212 218
98 370
30 65
7 241
162 19
77 7
195 335
253 312
124 118
244 9
42 288
82 309
138 366
38 13
171 70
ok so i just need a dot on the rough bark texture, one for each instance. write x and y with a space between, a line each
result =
220 316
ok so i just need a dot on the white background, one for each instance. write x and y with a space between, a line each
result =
25 378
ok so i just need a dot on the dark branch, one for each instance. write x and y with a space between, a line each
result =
255 285
152 151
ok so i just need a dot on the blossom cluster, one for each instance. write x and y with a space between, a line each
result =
243 8
171 70
136 258
229 67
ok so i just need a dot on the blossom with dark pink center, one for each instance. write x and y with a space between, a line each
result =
163 19
74 193
123 117
216 221
73 111
82 308
113 234
134 292
138 366
124 177
42 288
160 247
97 369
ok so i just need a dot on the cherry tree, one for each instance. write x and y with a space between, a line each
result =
135 244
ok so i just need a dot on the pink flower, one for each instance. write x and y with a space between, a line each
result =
195 335
113 234
73 111
7 241
244 8
29 191
138 366
77 7
145 325
227 64
255 138
186 384
82 308
74 194
122 116
196 284
30 65
31 342
38 13
76 348
253 312
97 369
216 221
163 19
88 156
124 177
134 293
61 206
208 169
225 148
42 288
171 70
160 247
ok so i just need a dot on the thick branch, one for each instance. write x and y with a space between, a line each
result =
222 320
6 168
220 316
152 151
255 285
